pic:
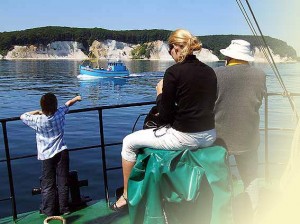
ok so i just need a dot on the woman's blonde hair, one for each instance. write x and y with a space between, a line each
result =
186 41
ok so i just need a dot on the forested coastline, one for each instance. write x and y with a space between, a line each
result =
85 36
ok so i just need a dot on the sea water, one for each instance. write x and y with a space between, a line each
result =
23 82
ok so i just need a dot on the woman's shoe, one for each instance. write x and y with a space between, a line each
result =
114 206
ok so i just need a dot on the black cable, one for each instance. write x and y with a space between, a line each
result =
261 44
274 67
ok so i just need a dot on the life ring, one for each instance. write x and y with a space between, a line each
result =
46 221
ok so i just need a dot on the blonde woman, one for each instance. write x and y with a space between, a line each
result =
185 100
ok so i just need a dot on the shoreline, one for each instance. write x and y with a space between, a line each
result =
164 60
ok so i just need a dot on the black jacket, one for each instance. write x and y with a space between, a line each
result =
189 95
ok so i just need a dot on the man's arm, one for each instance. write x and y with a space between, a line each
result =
73 101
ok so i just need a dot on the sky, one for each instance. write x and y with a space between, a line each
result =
276 18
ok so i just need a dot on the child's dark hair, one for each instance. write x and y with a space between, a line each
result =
48 104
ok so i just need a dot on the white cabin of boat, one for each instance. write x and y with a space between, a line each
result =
116 66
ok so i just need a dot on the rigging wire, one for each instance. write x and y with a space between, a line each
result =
277 73
272 62
261 45
290 180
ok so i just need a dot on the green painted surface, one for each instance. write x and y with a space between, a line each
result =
95 213
182 186
99 213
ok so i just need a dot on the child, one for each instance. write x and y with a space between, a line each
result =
52 150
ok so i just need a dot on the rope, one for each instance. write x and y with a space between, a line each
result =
261 44
265 47
48 219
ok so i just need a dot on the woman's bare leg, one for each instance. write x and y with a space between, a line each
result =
127 167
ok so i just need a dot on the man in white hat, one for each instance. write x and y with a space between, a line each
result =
241 88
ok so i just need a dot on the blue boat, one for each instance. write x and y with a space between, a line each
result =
114 69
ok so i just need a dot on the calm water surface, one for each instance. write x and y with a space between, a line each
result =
23 82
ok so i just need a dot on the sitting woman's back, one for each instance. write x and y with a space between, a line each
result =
185 100
189 95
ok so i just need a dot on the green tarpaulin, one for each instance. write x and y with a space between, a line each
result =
190 186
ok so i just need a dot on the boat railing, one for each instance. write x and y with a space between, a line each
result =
267 129
103 145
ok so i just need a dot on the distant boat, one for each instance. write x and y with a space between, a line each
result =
114 69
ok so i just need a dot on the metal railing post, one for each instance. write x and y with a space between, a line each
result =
10 178
100 112
266 139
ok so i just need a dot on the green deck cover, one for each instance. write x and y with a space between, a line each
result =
181 187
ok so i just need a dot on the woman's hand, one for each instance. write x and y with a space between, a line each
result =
159 87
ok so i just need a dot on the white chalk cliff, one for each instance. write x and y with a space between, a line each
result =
260 58
159 51
54 50
111 49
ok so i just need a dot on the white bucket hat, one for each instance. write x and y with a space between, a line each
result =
239 49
